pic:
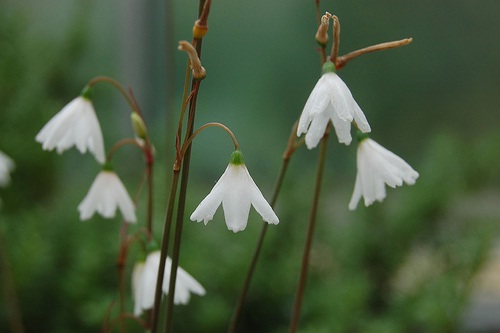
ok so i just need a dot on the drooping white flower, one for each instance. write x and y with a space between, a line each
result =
106 194
145 275
330 100
378 166
75 125
6 167
236 191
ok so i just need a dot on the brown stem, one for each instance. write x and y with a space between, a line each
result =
342 61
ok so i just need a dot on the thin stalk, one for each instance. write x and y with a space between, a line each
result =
186 161
342 61
119 87
122 259
164 249
246 284
309 238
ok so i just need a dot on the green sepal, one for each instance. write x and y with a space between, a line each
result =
237 158
87 92
107 166
141 256
328 67
360 136
151 246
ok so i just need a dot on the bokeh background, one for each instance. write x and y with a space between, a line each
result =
425 260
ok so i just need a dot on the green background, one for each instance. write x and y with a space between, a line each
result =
406 265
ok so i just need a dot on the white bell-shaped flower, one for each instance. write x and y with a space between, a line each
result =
236 191
330 100
106 194
378 166
145 275
6 167
75 125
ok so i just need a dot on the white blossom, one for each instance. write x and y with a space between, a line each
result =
75 125
236 191
105 195
378 166
330 100
145 275
6 167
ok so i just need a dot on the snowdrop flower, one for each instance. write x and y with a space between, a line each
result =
330 100
75 125
145 275
6 167
376 166
236 191
105 195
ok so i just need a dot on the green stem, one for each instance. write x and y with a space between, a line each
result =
309 238
119 87
256 254
164 249
186 161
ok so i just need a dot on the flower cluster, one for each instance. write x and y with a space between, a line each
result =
77 125
332 101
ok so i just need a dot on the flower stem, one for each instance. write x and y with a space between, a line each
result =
309 238
180 210
342 61
164 249
187 143
119 87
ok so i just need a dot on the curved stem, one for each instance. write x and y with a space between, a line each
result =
309 238
119 87
121 143
342 61
199 130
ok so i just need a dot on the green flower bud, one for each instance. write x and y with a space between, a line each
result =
139 126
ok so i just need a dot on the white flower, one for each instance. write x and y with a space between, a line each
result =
236 191
330 100
6 167
75 125
376 166
105 195
145 275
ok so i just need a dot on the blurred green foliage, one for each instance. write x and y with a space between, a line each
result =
405 265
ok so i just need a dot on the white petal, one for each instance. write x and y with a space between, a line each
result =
105 195
357 193
260 203
6 167
340 96
317 129
342 128
237 200
75 125
378 166
208 206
